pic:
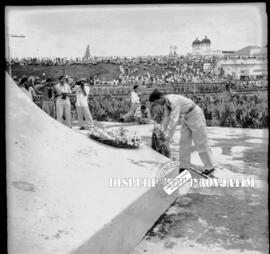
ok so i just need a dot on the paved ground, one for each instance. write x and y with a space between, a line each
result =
217 220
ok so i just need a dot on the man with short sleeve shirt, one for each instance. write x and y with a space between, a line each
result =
62 90
193 127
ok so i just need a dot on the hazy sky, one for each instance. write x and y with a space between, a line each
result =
133 30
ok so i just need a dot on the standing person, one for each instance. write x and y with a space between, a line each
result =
62 92
82 93
228 108
48 92
193 127
135 103
27 88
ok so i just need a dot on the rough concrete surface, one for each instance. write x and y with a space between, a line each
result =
59 197
217 220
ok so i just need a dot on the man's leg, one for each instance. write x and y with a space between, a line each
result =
185 145
130 115
223 116
232 115
197 124
68 114
51 108
87 115
59 111
80 115
45 107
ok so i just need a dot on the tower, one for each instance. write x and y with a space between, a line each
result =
87 54
173 51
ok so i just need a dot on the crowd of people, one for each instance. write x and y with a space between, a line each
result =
152 71
56 100
220 109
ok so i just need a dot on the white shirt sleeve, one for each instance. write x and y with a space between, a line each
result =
173 120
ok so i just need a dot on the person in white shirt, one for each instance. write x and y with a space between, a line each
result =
135 103
62 92
82 93
193 127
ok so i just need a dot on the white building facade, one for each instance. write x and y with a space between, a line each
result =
243 67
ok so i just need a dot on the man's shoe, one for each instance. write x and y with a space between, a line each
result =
82 128
208 171
181 170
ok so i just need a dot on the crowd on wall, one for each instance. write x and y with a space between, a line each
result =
155 71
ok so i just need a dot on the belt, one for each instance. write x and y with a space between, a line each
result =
191 108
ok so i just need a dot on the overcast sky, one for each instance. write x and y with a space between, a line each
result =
133 30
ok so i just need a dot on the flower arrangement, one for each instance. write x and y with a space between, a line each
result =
121 137
158 141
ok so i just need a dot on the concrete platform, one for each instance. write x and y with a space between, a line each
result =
59 197
217 220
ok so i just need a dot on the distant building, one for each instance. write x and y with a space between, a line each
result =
227 52
249 62
173 51
201 47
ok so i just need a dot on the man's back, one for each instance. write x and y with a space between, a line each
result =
175 100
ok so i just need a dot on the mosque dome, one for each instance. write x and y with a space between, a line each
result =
196 42
206 40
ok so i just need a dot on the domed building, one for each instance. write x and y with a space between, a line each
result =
196 46
202 47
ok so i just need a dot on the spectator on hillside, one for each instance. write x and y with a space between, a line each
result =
62 93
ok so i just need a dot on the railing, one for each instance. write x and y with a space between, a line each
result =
183 88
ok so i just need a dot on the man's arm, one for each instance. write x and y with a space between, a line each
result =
166 118
56 91
137 113
148 114
173 121
35 92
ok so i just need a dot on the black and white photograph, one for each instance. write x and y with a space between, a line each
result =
137 128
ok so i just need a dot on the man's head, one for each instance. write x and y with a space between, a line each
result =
62 79
143 107
49 81
157 97
23 81
135 88
227 86
81 81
